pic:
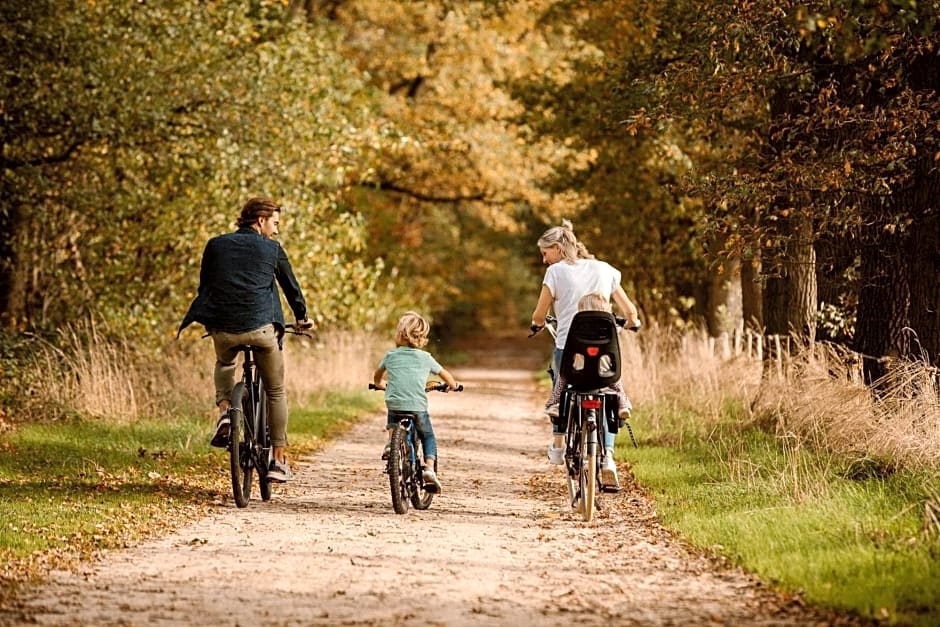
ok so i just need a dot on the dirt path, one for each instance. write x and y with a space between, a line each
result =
498 547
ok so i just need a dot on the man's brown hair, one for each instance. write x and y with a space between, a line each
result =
257 208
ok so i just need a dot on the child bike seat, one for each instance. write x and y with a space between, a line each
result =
591 357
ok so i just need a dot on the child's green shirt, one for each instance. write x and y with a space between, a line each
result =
406 371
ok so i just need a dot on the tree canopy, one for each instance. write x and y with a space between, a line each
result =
420 149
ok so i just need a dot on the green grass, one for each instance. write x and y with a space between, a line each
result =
71 487
790 515
326 416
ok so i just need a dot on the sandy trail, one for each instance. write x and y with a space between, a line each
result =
498 547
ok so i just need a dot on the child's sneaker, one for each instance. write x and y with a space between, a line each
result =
552 410
386 452
431 482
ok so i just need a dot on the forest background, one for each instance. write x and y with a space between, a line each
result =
761 163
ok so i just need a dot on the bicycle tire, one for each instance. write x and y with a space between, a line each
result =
264 454
588 476
239 450
573 459
399 470
420 498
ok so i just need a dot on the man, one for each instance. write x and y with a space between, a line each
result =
238 303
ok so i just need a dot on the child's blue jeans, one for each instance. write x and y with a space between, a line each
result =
422 425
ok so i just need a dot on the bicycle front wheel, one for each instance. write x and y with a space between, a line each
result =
588 475
399 470
240 447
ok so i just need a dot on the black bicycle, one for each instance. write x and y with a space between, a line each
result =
405 465
249 445
588 408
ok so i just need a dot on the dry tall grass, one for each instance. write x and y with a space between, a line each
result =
814 402
341 360
94 376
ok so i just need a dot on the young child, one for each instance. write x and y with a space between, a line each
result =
589 302
406 367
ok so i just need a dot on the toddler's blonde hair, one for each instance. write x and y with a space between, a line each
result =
594 301
413 330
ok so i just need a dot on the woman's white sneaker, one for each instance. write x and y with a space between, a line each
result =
556 456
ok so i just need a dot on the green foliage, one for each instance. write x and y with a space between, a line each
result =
154 123
864 544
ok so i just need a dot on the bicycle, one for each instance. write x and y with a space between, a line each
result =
588 409
249 443
405 465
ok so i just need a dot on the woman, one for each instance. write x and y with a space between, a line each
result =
572 273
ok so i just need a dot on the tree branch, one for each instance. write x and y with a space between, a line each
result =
389 186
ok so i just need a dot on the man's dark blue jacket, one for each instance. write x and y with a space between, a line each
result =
237 290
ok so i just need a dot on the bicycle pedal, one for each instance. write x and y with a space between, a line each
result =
611 489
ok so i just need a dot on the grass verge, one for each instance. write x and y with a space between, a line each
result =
863 541
71 488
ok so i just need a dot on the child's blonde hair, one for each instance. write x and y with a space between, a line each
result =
413 330
594 301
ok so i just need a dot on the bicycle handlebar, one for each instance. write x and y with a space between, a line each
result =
535 328
294 329
433 387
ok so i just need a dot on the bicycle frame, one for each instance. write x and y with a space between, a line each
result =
257 399
409 486
405 475
251 450
585 414
417 465
585 431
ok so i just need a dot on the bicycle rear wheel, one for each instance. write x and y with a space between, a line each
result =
573 454
240 447
399 470
420 498
588 475
263 449
573 462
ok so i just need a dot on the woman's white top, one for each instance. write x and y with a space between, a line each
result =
568 282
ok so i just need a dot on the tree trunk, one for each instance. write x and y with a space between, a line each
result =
883 300
723 314
899 298
752 293
924 280
789 306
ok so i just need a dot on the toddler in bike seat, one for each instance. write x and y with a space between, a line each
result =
591 358
406 369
